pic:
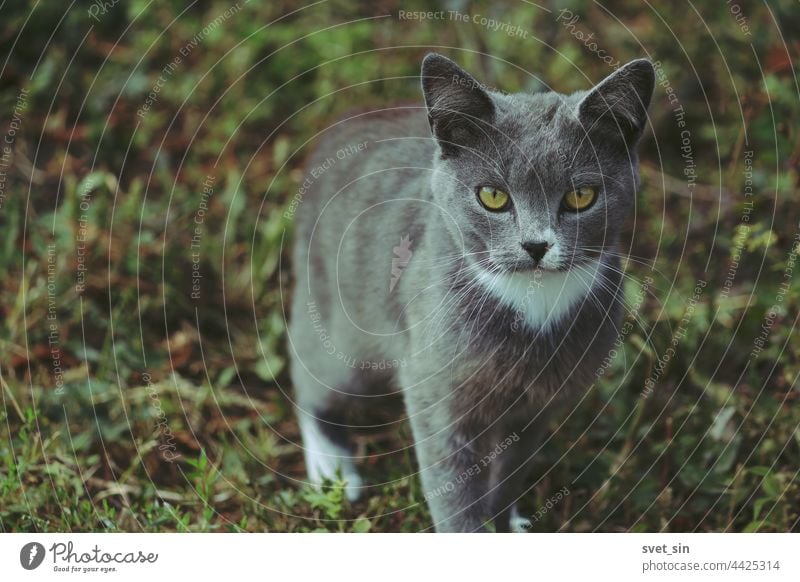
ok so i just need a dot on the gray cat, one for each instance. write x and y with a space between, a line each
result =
463 254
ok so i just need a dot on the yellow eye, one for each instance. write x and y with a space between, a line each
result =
580 199
493 199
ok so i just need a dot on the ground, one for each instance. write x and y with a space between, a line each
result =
144 238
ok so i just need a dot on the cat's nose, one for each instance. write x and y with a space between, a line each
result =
536 249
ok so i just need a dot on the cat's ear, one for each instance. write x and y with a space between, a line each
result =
458 106
619 103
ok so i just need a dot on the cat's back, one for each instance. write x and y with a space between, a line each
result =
364 188
365 146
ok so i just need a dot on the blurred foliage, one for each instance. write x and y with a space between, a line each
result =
95 182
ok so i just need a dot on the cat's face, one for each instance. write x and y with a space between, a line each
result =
535 181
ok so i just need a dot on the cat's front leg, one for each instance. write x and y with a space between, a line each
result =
510 468
453 483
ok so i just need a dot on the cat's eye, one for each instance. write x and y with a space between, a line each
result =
580 198
493 199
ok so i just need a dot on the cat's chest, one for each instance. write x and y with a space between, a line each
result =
530 360
545 343
539 300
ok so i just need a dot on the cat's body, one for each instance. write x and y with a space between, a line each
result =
400 288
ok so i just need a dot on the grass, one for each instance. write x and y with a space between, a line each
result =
173 413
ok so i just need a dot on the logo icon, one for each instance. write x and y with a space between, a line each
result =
31 555
402 255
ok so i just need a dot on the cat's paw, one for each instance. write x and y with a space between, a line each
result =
322 468
327 461
517 523
354 485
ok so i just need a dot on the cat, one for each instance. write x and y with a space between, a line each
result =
462 253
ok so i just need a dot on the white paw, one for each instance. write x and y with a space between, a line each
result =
518 523
325 459
318 472
353 486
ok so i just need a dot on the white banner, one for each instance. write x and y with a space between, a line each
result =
406 557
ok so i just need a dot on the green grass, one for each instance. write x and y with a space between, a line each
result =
174 413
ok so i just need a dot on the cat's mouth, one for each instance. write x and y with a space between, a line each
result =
539 269
528 268
544 267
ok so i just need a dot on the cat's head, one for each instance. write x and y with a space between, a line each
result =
535 180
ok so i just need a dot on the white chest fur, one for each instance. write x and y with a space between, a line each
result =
541 298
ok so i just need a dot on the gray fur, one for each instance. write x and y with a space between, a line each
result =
386 297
